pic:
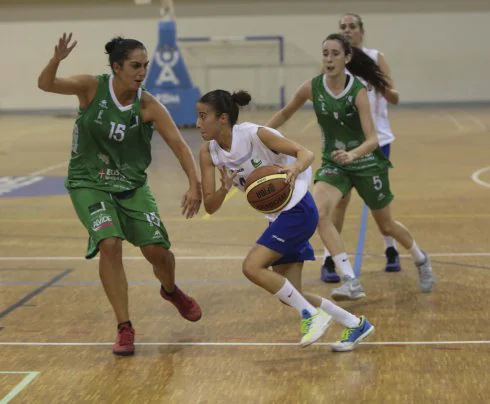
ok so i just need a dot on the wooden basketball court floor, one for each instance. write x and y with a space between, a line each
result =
57 328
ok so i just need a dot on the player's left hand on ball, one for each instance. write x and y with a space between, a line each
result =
290 170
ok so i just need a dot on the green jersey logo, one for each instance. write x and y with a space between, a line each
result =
256 163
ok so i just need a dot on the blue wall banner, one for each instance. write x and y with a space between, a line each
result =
168 79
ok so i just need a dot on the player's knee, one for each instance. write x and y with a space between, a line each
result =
326 213
250 271
386 228
111 248
157 255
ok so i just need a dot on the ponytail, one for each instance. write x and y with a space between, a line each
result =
225 103
363 66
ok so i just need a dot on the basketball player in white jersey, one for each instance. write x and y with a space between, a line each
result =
352 27
237 150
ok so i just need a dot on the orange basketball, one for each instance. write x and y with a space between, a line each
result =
266 189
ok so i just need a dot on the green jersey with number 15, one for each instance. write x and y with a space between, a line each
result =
111 147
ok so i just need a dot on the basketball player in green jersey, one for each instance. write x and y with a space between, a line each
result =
351 157
352 27
107 179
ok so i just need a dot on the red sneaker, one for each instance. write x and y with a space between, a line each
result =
186 305
124 345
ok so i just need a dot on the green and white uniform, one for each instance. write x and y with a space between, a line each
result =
111 151
341 128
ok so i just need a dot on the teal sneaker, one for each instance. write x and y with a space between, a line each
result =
314 326
352 336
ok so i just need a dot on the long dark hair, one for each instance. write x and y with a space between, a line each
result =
223 102
119 48
361 64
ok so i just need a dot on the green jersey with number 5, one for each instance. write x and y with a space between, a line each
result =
341 127
111 147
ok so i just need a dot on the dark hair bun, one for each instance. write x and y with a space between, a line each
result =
111 45
241 98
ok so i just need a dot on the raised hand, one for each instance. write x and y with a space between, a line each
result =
63 49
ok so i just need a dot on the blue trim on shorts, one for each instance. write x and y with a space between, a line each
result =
290 233
386 150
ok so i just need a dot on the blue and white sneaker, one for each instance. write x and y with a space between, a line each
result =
352 336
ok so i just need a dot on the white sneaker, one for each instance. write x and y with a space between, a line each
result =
351 289
426 276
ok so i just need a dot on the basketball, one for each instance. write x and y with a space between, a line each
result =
266 189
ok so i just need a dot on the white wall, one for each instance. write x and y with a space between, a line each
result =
434 57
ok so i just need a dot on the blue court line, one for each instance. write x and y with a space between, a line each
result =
190 282
34 293
29 269
360 241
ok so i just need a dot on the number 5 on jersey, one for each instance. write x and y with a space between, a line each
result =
117 131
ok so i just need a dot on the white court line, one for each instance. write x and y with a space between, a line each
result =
455 121
232 344
30 376
476 177
476 120
309 125
8 184
206 257
47 169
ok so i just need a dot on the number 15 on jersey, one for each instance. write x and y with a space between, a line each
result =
117 131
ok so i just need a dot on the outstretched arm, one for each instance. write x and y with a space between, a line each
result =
302 95
155 112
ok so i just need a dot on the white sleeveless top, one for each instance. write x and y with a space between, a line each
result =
248 153
379 107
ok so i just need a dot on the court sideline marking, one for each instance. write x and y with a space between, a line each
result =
30 376
34 293
476 177
244 344
218 257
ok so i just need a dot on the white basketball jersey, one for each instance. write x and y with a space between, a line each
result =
248 153
379 107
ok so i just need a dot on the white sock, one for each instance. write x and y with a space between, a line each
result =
289 295
339 314
326 254
342 263
416 253
389 242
